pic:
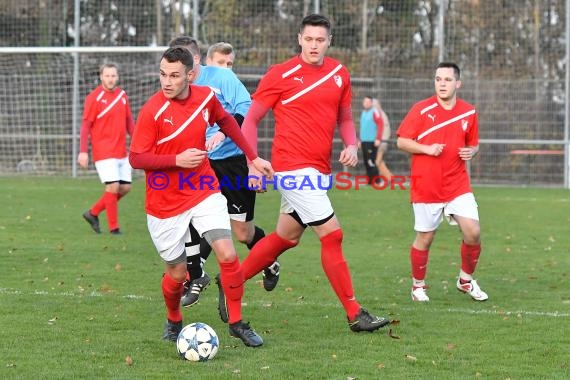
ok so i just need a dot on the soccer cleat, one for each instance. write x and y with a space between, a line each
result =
92 220
271 276
473 289
222 307
244 332
364 321
192 290
116 231
171 330
419 294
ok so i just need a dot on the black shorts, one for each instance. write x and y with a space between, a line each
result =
234 171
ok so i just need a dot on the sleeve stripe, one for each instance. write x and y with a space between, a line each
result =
161 110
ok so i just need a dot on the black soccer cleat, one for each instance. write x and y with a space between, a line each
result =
193 289
271 276
364 321
92 220
116 231
244 332
222 307
171 330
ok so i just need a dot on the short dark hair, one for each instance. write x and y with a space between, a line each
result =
179 54
316 20
188 42
450 65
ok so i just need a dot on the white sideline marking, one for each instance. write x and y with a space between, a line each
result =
69 294
501 312
555 314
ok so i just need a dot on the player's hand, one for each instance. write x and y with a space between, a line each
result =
190 158
255 180
264 167
83 160
377 143
349 156
434 149
214 141
467 153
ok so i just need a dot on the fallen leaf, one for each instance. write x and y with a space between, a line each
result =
410 357
392 335
118 267
129 361
450 346
381 366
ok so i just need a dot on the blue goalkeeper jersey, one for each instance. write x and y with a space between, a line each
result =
234 98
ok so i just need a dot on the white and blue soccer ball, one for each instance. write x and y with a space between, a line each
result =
197 342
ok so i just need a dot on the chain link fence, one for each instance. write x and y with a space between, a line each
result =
513 56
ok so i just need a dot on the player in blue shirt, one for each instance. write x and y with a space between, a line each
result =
229 164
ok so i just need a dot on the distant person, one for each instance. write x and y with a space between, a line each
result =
310 95
229 163
371 127
169 143
107 119
383 147
221 54
442 134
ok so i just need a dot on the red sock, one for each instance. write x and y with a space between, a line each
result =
264 253
337 272
419 261
469 257
172 292
98 207
231 275
112 209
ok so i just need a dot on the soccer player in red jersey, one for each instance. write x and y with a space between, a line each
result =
310 95
169 144
106 119
442 134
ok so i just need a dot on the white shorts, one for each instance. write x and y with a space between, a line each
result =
429 216
114 170
305 191
170 234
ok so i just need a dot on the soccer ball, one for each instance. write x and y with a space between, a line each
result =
197 342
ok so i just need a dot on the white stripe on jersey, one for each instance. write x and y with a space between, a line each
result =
428 108
161 110
285 75
188 121
441 125
317 83
100 95
111 105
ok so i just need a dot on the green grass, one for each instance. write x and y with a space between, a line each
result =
75 305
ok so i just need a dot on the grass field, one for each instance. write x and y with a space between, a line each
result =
76 305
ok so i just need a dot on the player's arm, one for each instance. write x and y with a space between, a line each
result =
468 152
349 155
412 146
85 132
230 127
379 121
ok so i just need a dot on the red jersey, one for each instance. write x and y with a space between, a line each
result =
445 177
306 100
168 127
109 111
